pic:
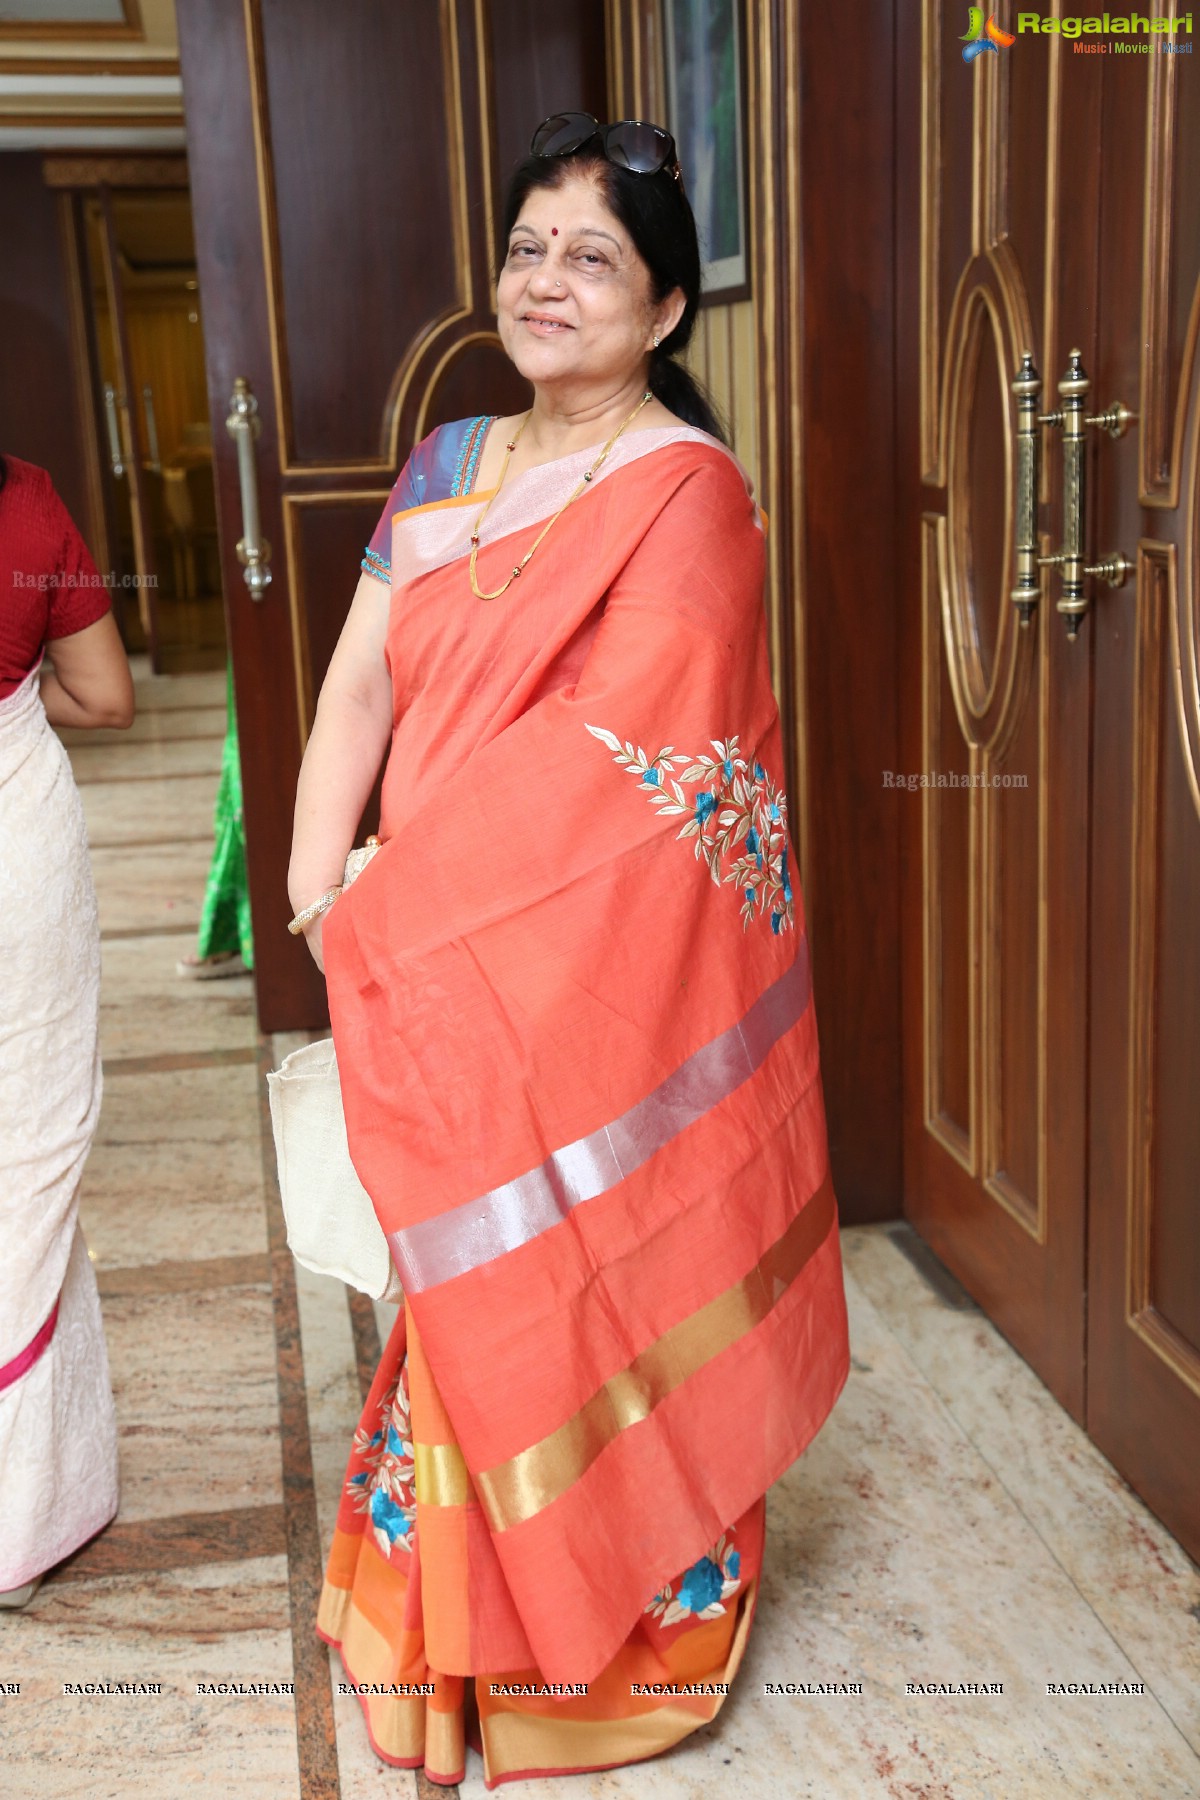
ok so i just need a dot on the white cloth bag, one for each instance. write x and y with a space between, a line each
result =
331 1224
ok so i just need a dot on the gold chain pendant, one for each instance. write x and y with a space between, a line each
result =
508 450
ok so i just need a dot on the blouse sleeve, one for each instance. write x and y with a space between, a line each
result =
409 490
78 595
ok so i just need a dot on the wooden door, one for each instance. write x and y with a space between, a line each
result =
1001 223
1052 963
128 400
1143 1382
347 166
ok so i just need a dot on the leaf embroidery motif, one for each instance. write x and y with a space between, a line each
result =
739 805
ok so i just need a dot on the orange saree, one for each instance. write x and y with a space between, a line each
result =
573 1017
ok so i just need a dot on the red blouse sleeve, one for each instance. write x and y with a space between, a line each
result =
78 595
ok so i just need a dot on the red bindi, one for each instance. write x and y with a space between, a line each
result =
554 231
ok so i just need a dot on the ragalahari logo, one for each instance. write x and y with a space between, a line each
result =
984 37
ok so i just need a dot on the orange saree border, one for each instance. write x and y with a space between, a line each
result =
378 1612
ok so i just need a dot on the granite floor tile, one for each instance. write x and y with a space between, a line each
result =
146 1007
148 1201
137 812
169 693
152 889
218 1624
206 1106
187 757
1131 1571
197 1408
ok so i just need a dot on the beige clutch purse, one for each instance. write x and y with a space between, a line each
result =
331 1224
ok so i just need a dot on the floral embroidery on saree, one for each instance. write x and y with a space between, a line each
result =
701 1591
740 805
383 1482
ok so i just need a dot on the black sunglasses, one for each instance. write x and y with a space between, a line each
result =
630 143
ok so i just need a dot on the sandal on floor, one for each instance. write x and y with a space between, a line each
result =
211 968
14 1598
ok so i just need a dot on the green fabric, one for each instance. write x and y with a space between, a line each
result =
225 916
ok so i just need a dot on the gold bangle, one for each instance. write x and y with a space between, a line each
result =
314 911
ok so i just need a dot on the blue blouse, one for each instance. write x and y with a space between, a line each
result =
442 466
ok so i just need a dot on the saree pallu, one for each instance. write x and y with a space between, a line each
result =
58 1440
572 1009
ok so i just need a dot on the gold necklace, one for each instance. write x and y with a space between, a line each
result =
508 450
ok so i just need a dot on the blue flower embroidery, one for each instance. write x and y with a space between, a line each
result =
738 819
388 1517
383 1486
701 1591
701 1585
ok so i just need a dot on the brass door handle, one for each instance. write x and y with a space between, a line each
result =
1027 386
152 455
1073 421
115 454
253 549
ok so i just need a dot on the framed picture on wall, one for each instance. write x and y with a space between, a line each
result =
704 48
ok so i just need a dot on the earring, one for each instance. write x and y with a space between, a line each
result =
656 340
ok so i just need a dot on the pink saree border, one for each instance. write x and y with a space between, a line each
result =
34 1350
425 538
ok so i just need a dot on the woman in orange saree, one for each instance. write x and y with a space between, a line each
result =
572 1008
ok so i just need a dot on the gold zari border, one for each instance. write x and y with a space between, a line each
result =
517 1741
441 1475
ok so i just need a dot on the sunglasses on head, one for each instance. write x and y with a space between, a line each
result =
631 143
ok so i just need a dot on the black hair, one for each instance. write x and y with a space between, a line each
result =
655 212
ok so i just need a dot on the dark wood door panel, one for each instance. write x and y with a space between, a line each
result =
1052 962
359 123
1144 1230
996 716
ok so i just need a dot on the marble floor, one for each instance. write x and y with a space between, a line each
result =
950 1524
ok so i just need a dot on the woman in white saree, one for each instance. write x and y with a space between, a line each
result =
58 1444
